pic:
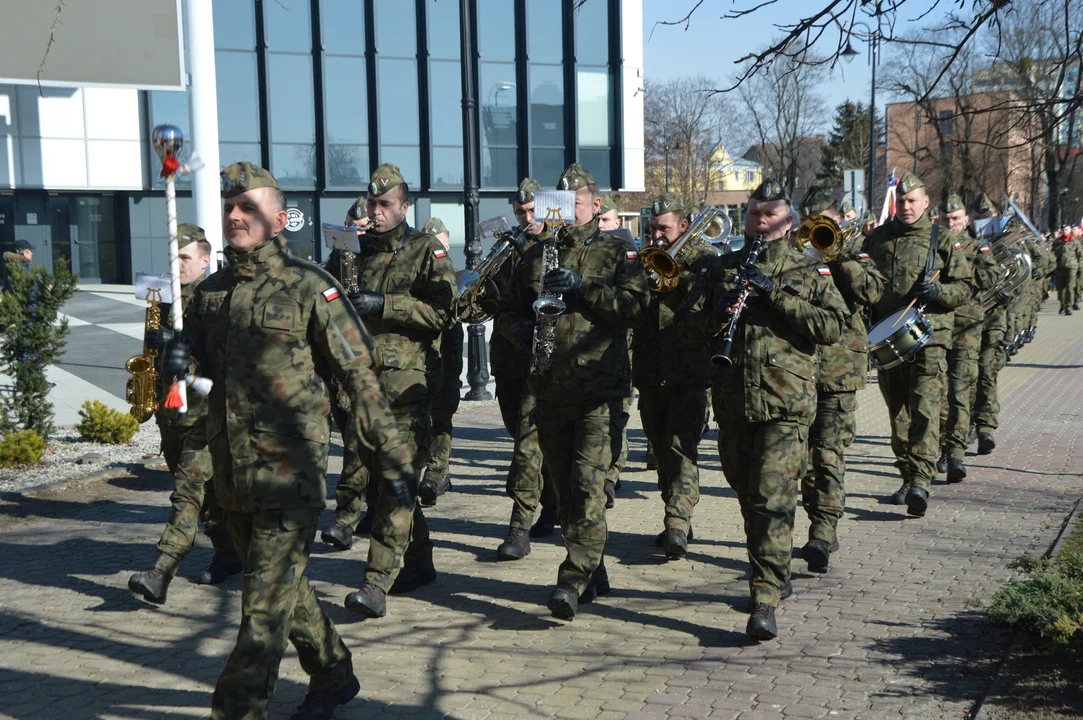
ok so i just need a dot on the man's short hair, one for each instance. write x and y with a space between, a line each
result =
278 198
204 247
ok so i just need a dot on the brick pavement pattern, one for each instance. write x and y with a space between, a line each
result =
895 629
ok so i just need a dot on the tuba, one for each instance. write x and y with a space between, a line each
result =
828 237
476 289
141 389
661 266
1010 251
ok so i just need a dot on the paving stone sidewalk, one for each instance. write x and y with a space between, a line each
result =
895 629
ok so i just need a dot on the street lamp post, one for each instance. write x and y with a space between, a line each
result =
873 39
665 151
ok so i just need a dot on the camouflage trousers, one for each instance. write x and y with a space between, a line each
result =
619 441
444 405
398 534
353 482
913 392
529 483
577 443
823 487
277 604
673 423
191 501
986 406
962 377
1067 287
763 463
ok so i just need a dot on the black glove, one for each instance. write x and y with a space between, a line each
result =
759 282
175 357
367 303
1035 274
562 280
156 338
726 301
925 291
518 240
1003 297
404 490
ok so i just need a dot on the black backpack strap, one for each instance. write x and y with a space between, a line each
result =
934 238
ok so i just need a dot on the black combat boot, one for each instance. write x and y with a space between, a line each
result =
223 566
546 523
428 490
321 704
369 601
761 624
660 538
956 471
972 435
675 544
364 525
413 575
917 500
986 443
516 546
1075 306
942 463
610 494
817 554
899 496
339 536
598 586
152 585
563 602
650 459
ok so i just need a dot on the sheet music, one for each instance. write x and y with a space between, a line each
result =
341 237
146 281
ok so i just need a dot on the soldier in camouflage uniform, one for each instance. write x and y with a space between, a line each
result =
765 402
448 391
671 373
1064 249
913 390
842 370
259 329
603 285
965 348
529 483
407 288
194 500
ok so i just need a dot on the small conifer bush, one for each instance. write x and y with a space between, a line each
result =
103 424
24 447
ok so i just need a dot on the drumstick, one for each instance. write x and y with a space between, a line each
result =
903 313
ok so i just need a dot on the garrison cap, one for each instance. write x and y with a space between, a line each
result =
667 202
982 204
768 191
575 176
954 204
359 210
846 207
386 177
909 183
240 177
608 204
188 233
22 246
527 188
434 225
817 199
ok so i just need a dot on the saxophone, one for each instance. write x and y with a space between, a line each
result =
347 268
141 389
547 307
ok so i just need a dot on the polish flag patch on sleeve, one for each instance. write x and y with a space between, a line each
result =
439 252
985 249
958 246
331 293
862 256
631 255
823 271
703 270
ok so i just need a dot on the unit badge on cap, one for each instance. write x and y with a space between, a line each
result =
564 183
226 184
522 196
372 188
657 208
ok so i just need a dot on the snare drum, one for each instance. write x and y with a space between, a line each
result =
898 337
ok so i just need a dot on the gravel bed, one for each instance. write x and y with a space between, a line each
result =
64 450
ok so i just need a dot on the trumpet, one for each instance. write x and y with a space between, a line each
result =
661 266
828 237
141 389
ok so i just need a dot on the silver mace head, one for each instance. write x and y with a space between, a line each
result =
167 140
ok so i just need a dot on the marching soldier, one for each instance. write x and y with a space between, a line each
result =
529 483
608 219
984 404
842 370
406 290
765 402
448 385
1065 277
193 492
267 433
587 378
671 373
939 278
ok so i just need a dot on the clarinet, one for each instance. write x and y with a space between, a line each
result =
723 358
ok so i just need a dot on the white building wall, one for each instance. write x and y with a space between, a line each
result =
70 139
632 93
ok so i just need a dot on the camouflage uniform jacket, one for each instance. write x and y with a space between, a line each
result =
1042 258
507 361
197 404
774 349
417 279
265 329
660 354
900 252
590 360
1065 252
844 365
986 273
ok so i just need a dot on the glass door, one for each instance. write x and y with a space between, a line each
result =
58 214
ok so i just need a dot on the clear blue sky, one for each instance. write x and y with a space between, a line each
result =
710 45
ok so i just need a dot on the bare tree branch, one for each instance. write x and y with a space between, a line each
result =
49 45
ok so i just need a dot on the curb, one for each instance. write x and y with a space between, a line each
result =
101 474
980 712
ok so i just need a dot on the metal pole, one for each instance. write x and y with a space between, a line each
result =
477 357
872 122
203 109
666 140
